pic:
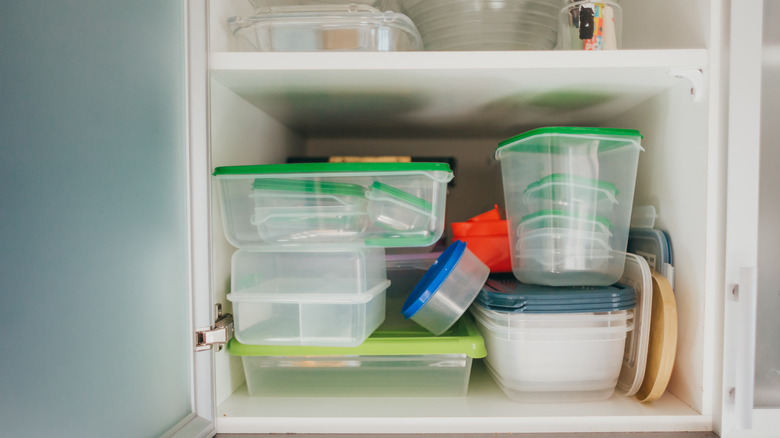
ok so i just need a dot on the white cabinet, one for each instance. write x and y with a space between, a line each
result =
671 82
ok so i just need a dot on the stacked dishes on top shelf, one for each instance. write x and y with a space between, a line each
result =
485 24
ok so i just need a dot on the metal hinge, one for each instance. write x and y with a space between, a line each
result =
218 334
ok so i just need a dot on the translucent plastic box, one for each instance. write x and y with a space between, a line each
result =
565 357
327 27
578 185
401 362
318 296
590 25
374 204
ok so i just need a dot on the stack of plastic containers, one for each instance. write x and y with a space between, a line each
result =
485 24
569 193
559 333
309 281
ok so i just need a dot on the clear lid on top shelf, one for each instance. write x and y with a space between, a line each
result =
265 5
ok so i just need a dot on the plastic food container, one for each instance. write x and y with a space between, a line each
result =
394 209
590 25
609 156
487 237
574 195
485 24
349 27
404 271
447 289
568 357
315 297
408 362
326 203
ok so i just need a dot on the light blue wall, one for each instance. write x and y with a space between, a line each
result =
93 249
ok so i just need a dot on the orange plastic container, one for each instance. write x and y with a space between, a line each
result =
486 236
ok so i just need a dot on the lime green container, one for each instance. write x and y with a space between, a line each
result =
404 362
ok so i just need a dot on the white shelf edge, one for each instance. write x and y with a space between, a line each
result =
529 60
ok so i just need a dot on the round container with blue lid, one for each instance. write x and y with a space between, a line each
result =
447 289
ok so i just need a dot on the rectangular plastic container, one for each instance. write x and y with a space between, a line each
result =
328 27
569 193
374 204
405 363
316 296
567 357
590 25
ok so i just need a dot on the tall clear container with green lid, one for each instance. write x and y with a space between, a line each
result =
569 193
373 204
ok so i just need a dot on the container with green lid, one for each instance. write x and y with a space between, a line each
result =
575 172
405 361
314 203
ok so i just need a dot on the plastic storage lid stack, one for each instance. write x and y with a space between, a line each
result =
447 289
308 296
589 174
328 27
550 344
326 203
405 362
485 24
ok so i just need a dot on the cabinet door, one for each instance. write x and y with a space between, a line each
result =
751 389
95 259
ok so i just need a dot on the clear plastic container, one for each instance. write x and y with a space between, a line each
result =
447 289
554 358
600 154
394 209
349 27
485 24
590 25
265 5
325 203
409 363
307 272
574 195
332 320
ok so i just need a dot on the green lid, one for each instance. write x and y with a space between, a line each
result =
401 195
308 186
611 138
461 338
567 178
331 167
565 214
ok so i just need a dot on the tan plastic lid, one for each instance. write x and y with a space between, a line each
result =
663 341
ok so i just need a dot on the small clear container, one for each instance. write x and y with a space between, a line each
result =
325 203
554 357
590 25
447 289
575 256
609 155
310 319
394 209
349 27
577 196
405 362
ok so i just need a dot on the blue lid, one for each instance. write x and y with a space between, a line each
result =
433 279
504 292
650 244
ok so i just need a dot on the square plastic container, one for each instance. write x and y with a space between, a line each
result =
350 27
319 296
554 357
590 25
571 194
327 203
408 363
605 156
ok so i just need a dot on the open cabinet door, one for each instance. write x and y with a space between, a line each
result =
751 379
96 262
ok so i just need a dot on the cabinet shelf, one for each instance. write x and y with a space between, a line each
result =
486 410
473 94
